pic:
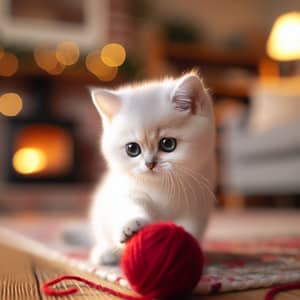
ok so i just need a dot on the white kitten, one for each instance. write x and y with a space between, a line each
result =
158 140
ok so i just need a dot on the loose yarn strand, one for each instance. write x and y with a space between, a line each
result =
50 291
152 261
281 288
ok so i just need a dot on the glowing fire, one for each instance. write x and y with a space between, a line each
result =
29 160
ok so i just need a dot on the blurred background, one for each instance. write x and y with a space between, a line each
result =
247 51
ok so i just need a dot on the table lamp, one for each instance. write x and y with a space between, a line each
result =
284 41
275 100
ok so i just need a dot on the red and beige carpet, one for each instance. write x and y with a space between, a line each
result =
244 251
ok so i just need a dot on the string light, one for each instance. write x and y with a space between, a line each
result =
46 59
96 66
10 104
59 68
9 64
67 53
113 55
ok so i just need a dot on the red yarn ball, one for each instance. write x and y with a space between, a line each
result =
162 260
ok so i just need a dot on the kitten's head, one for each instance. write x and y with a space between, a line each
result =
157 127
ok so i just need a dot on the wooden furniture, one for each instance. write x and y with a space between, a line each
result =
213 63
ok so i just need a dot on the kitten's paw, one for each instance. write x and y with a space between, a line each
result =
100 256
132 227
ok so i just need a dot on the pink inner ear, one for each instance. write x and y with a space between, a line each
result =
182 102
188 96
185 101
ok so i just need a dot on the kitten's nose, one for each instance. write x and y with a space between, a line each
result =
150 165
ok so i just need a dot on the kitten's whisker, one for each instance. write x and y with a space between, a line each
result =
169 189
191 189
195 175
205 180
203 193
185 196
171 183
173 188
200 181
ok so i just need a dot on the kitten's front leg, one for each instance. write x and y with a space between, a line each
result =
132 227
134 216
126 225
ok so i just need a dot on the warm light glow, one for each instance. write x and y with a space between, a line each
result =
59 68
113 55
55 142
46 59
284 40
8 64
10 104
96 66
29 160
67 53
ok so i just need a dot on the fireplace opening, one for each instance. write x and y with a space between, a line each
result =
41 151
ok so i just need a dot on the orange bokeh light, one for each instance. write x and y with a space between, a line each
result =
96 66
113 55
10 104
9 64
46 59
67 53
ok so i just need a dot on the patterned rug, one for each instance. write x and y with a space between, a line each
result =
230 265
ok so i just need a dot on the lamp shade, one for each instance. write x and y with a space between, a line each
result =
284 41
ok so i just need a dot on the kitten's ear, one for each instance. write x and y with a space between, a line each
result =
106 102
189 94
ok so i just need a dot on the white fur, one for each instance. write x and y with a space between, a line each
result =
180 187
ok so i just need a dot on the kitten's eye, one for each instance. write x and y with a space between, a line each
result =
167 144
133 149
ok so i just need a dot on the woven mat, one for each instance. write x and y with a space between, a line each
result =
230 265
